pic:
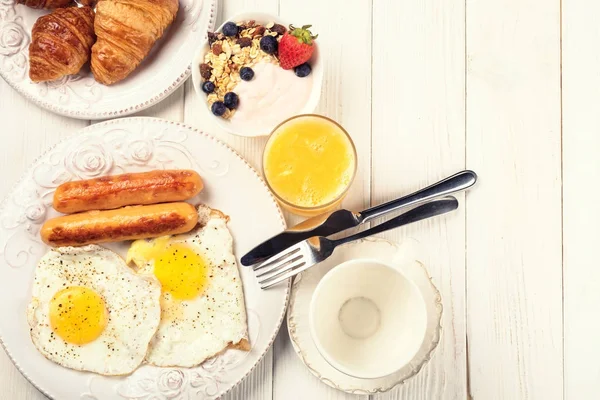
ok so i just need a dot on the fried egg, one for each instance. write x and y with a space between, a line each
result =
202 301
90 312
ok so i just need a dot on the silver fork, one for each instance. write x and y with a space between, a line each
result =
312 251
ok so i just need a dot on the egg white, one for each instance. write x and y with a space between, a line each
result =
133 303
216 318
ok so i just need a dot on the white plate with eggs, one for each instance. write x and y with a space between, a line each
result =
133 145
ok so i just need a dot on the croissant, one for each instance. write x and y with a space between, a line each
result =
60 43
48 4
127 30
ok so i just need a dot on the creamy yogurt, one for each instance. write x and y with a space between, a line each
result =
274 95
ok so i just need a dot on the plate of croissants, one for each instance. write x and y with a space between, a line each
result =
96 59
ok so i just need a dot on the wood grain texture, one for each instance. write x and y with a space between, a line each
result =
514 268
581 216
418 138
346 98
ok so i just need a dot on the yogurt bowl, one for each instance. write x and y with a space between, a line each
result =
271 96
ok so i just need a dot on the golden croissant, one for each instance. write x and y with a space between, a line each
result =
127 30
48 4
61 43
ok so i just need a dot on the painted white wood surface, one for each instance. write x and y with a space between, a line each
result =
418 139
514 255
426 89
581 215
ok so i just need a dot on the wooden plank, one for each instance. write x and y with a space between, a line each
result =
344 29
514 260
259 384
581 216
27 131
418 138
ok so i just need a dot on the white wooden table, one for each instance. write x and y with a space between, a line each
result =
510 89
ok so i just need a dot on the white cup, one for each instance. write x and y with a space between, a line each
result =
367 319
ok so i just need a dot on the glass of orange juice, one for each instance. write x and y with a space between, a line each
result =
309 163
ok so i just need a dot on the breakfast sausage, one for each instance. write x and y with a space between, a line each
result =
110 192
127 223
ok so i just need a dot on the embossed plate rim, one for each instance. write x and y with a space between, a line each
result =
120 112
157 121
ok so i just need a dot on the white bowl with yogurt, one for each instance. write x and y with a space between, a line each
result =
367 319
272 96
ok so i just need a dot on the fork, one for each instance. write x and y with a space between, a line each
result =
311 251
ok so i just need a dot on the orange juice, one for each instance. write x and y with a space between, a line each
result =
309 163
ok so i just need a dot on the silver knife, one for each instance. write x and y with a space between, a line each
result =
340 220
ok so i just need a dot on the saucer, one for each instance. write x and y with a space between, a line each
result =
404 256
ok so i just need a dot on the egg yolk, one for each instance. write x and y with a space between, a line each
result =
181 271
78 315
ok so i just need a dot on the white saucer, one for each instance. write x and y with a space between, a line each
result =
405 257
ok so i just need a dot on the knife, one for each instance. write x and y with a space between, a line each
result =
340 220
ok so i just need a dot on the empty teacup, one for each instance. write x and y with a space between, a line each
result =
367 319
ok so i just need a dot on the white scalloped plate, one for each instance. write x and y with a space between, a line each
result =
80 96
404 256
132 145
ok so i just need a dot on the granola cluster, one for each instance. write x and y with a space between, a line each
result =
229 54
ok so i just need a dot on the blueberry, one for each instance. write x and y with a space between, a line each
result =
230 29
268 44
218 108
246 73
302 70
231 100
208 87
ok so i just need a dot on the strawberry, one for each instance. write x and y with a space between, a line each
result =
296 47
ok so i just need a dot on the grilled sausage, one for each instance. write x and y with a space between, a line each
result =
110 192
127 223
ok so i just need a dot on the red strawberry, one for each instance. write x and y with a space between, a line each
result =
296 47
